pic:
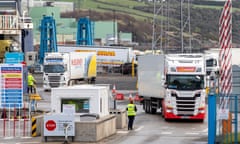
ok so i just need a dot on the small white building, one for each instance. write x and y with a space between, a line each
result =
87 99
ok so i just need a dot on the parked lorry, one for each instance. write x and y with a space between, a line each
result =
173 83
61 69
213 55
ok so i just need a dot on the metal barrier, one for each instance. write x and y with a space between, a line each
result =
8 22
227 130
15 122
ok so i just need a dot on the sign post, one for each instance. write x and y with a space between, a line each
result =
212 110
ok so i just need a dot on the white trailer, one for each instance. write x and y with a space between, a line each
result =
106 55
67 68
175 83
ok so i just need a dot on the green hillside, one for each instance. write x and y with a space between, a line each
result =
137 17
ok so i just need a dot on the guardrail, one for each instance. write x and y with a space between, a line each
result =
8 22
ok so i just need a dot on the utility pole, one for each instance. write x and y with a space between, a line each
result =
153 26
156 38
181 24
114 31
189 27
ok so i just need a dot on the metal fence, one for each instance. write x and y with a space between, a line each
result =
227 130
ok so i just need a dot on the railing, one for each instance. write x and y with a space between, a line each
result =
9 22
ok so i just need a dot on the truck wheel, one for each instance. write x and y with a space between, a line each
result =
153 110
201 120
162 109
147 106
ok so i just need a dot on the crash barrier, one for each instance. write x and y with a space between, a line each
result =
227 127
15 127
15 122
121 121
89 131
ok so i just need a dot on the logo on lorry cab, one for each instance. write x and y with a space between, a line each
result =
77 62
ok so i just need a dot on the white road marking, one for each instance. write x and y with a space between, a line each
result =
8 137
28 143
166 133
26 137
205 130
122 132
191 133
138 129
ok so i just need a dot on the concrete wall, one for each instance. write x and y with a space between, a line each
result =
85 131
121 117
93 131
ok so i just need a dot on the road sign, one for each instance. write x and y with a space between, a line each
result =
50 125
11 84
54 125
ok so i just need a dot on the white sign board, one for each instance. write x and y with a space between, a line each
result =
68 109
223 114
54 125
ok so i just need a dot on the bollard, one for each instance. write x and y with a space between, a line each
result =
34 127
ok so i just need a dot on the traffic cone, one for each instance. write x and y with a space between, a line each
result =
130 97
114 89
136 98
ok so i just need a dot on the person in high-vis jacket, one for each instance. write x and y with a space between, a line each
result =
31 83
131 112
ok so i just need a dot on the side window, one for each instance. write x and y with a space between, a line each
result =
30 57
81 105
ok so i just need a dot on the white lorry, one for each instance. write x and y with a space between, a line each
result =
61 69
175 83
213 64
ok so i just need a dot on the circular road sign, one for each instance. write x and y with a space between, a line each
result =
50 125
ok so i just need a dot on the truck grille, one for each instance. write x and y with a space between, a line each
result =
185 106
54 81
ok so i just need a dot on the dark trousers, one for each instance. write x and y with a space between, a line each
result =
31 89
130 122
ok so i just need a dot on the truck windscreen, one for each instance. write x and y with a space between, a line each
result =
53 69
185 82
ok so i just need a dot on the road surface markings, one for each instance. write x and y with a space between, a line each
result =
122 132
8 137
26 137
138 129
166 133
28 143
205 130
191 133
